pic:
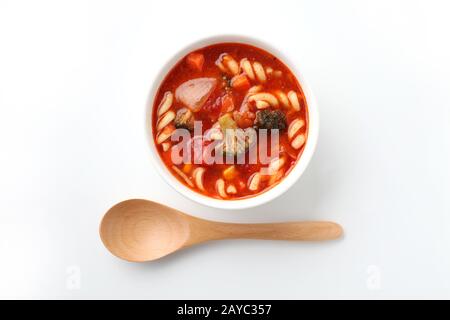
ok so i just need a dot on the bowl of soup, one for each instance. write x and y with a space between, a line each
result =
231 122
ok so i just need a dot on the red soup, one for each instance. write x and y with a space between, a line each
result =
230 121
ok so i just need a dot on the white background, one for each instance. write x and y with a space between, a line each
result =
74 78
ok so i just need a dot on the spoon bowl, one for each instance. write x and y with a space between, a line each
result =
141 230
136 231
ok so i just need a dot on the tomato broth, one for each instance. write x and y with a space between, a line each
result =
223 87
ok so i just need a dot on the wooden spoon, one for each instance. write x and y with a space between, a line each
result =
140 230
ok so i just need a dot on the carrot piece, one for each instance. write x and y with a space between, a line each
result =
240 82
195 61
230 173
187 168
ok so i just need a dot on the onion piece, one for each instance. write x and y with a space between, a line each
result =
166 103
197 174
183 175
293 98
295 125
220 187
298 142
194 93
254 180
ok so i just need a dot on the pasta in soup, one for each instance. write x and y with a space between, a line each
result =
230 121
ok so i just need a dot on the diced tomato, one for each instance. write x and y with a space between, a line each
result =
244 119
227 103
241 185
195 61
240 82
211 109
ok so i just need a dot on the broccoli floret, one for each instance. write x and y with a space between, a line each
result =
267 119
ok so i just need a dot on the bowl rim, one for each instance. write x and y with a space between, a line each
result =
266 196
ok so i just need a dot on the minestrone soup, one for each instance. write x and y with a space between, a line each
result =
230 121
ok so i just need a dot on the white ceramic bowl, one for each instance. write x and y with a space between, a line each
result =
286 182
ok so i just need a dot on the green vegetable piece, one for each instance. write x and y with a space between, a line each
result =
227 122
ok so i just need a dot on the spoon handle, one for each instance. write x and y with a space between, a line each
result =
306 231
